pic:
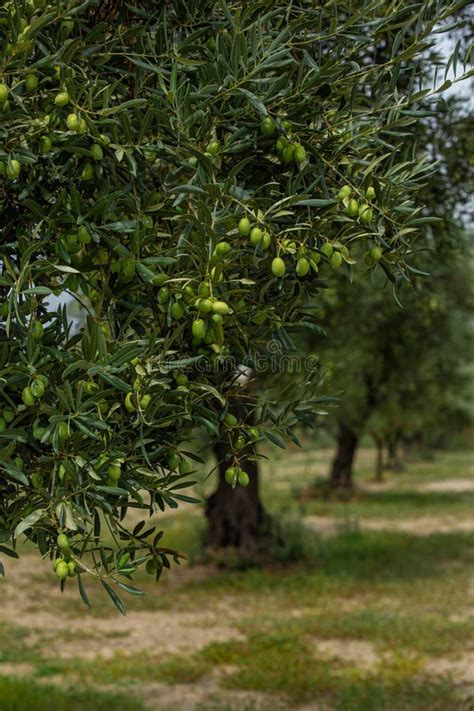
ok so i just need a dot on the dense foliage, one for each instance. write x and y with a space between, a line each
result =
186 174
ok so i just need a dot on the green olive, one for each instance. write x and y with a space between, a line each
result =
230 420
299 153
73 122
352 208
177 310
281 144
87 172
163 295
3 93
327 249
223 248
288 153
97 152
160 279
302 267
344 192
366 213
231 475
204 289
62 570
62 99
240 442
129 267
63 542
336 260
267 127
8 415
220 307
204 305
28 397
243 478
63 431
145 401
46 144
213 148
278 267
244 226
114 472
199 328
256 235
31 81
90 387
174 461
37 388
13 169
370 193
376 254
254 433
71 568
84 235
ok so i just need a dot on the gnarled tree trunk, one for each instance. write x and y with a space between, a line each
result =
341 476
235 517
378 474
395 462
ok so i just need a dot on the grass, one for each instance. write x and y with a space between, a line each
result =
403 595
288 665
25 695
125 669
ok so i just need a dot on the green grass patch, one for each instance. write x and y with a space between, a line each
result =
123 669
287 665
25 695
13 648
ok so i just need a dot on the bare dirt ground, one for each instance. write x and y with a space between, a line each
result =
28 603
165 630
447 485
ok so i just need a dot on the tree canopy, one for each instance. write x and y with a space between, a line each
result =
187 174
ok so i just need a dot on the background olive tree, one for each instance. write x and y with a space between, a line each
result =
187 172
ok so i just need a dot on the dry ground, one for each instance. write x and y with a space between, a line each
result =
378 615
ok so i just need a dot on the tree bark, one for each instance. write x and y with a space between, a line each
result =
341 476
395 462
378 458
235 517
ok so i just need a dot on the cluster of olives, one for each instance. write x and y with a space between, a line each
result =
12 168
306 259
73 122
236 475
289 152
358 210
364 213
63 566
35 390
212 331
176 462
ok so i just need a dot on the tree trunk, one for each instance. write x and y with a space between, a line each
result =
341 476
395 462
235 517
378 458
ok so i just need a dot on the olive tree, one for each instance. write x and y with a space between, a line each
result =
185 172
